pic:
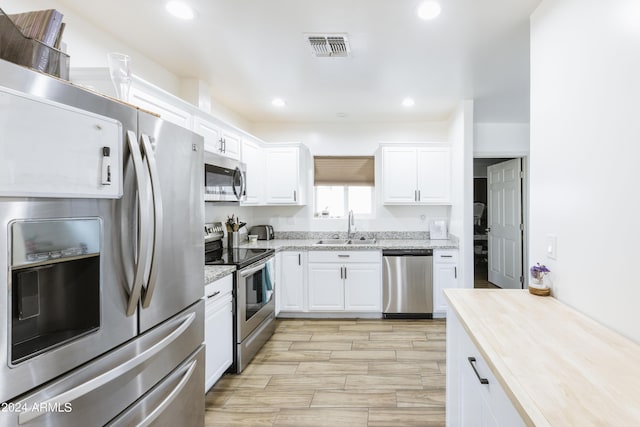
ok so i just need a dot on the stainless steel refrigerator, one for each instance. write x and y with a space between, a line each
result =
101 219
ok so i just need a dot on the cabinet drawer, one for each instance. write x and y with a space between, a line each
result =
345 256
492 393
445 256
222 286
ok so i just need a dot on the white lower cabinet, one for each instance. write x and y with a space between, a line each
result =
474 395
347 281
445 276
290 283
218 329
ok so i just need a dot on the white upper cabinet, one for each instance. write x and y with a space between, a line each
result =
253 156
231 143
216 139
210 132
284 172
434 174
399 174
416 175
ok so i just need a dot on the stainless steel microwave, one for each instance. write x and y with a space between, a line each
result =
224 179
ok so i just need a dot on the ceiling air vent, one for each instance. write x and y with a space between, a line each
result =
329 45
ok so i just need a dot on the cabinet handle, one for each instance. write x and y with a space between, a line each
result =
299 259
341 272
415 195
343 256
221 149
472 361
213 294
455 272
345 273
446 256
295 196
419 196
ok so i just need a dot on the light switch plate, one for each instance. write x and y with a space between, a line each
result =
552 246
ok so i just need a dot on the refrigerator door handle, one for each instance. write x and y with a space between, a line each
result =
147 293
106 377
143 235
170 398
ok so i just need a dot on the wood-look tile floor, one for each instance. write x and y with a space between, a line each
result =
339 373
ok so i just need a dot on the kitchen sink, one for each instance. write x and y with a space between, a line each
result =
332 242
346 242
362 241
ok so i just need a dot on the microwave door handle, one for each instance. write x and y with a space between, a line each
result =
243 179
237 192
147 293
110 375
143 226
170 398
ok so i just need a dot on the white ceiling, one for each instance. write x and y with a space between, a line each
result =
250 51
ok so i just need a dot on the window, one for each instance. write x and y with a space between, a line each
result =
342 184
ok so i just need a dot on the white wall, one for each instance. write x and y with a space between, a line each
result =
461 222
351 139
501 139
585 134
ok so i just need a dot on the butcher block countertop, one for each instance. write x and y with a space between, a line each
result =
558 366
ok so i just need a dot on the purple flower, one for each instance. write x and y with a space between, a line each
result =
537 271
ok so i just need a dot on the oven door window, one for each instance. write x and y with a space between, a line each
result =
259 291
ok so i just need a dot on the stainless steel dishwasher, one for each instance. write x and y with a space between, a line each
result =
407 283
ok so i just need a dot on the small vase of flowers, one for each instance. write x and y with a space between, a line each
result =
538 272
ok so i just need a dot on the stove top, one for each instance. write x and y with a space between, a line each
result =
240 257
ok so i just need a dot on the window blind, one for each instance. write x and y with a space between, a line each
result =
344 170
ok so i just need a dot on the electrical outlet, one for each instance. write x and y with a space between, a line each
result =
552 246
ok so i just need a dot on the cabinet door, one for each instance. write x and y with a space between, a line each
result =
363 287
231 145
253 157
326 287
399 175
167 112
291 281
282 173
211 134
218 336
445 276
434 174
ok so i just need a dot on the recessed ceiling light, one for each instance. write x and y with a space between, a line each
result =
180 10
408 102
278 102
429 10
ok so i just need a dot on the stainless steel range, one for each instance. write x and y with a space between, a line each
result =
254 287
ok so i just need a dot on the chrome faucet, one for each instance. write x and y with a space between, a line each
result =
350 222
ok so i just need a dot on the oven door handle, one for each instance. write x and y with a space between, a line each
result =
158 220
250 271
110 375
143 226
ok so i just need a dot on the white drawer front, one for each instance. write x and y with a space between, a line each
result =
445 256
344 256
222 286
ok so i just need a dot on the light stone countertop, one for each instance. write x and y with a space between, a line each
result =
310 245
558 366
215 272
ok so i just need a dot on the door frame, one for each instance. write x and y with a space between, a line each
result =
524 156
